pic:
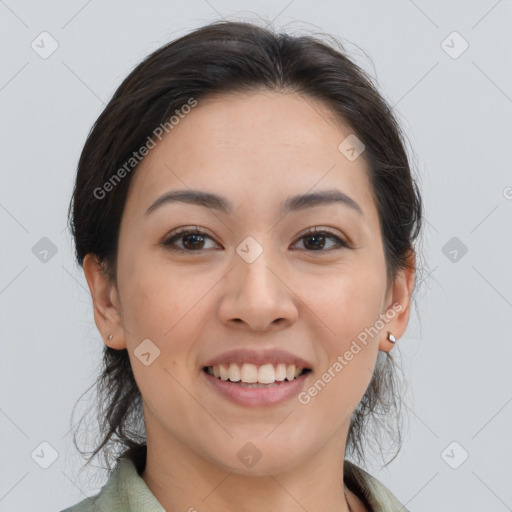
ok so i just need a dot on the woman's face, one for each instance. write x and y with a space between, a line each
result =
251 280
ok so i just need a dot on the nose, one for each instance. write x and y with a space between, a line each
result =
256 296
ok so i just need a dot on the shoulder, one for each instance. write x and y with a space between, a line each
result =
86 505
370 490
125 490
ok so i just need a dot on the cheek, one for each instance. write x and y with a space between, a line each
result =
168 307
343 318
158 297
345 300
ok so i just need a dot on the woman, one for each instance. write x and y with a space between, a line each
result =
245 216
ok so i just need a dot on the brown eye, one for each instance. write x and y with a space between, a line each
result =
192 240
317 240
195 240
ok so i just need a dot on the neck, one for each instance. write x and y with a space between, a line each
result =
181 479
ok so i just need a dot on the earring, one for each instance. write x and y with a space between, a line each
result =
110 336
391 337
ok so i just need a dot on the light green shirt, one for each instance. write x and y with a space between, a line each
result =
126 491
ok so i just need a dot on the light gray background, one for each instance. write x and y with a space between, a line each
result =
456 112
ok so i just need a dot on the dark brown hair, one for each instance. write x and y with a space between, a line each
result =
228 57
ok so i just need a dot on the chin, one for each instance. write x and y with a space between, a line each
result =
254 459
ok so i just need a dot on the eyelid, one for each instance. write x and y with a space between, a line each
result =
185 230
341 240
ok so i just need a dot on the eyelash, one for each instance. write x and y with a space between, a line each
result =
311 232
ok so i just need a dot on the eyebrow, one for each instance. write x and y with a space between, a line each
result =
294 203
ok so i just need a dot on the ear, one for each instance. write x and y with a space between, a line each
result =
105 299
398 304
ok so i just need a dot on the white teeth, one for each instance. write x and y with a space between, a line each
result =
249 373
266 374
290 372
252 374
281 372
224 373
234 372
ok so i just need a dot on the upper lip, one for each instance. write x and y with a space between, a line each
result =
258 357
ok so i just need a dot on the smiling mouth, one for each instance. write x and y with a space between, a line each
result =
252 376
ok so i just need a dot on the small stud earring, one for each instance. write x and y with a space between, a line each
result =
391 337
110 337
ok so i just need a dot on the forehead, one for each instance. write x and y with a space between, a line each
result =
257 147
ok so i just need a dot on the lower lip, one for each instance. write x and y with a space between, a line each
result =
257 396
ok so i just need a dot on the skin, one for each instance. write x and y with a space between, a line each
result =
255 149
